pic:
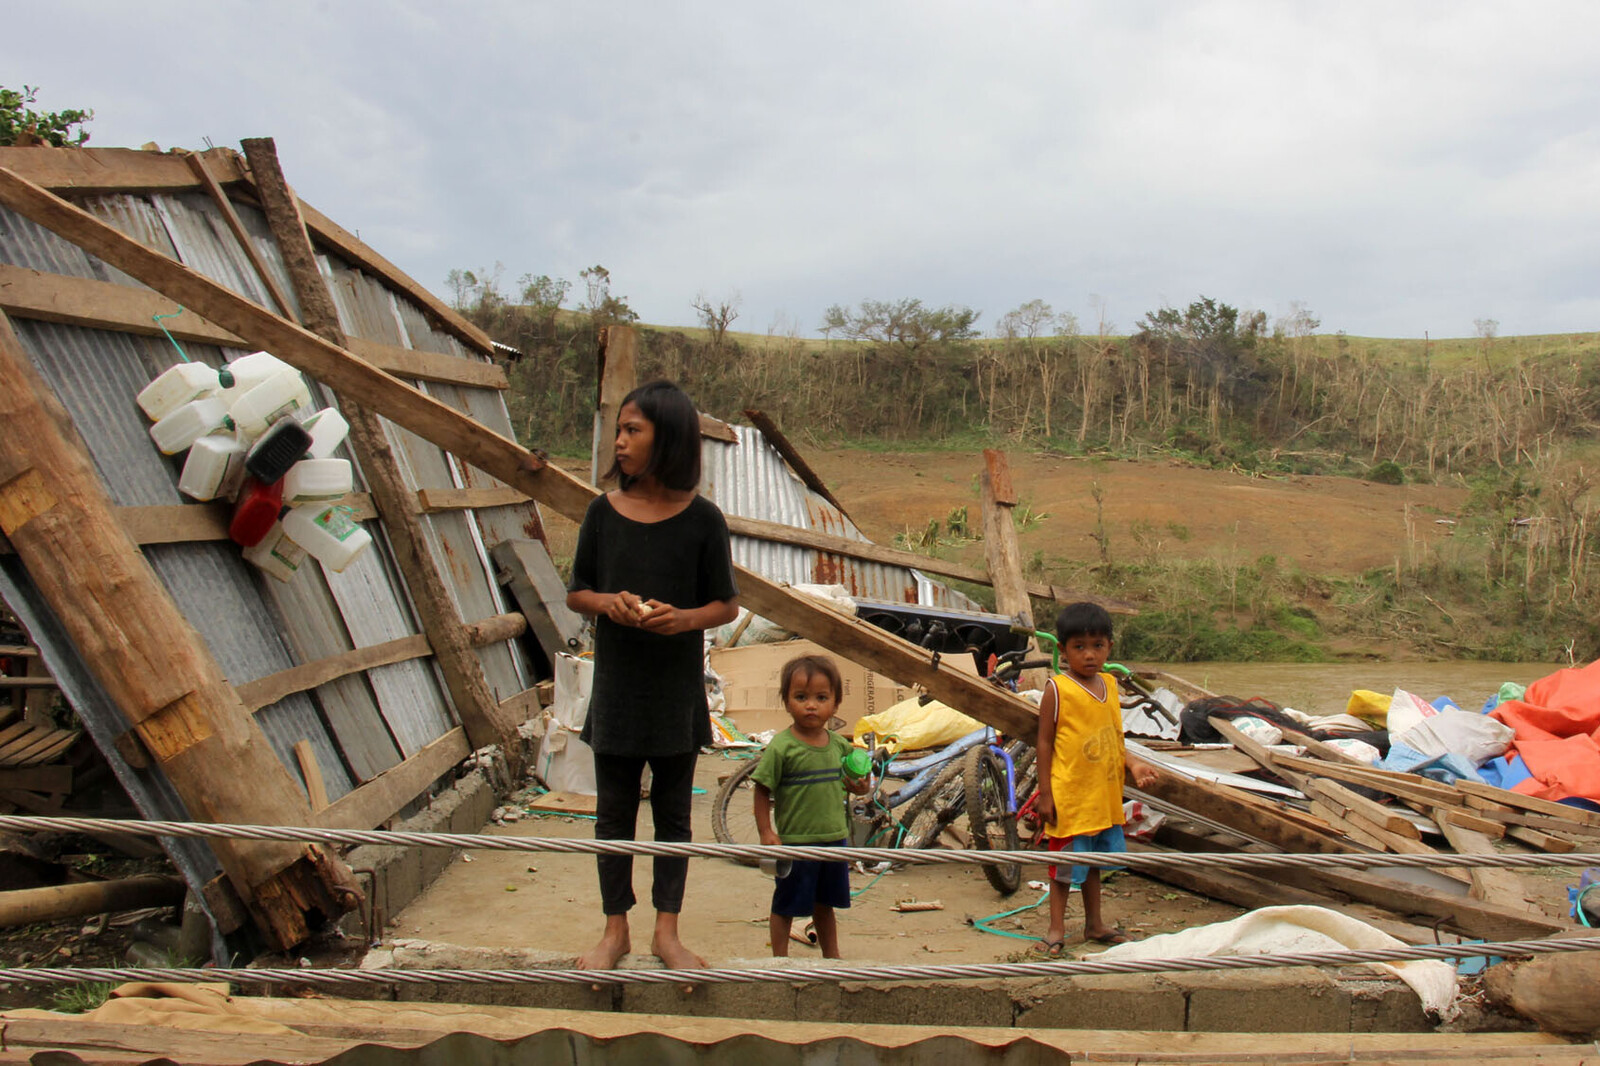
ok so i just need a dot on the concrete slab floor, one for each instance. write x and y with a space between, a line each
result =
504 909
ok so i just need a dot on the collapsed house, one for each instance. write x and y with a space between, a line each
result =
337 698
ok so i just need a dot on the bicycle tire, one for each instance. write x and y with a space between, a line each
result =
994 828
733 816
937 806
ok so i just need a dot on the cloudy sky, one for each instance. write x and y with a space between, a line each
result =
1396 168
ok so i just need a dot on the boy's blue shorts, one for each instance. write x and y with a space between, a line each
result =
811 884
1108 840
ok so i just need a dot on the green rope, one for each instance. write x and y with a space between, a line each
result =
982 924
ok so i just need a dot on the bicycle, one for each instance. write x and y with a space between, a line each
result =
876 818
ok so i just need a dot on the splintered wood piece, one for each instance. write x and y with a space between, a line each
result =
315 789
915 906
1494 885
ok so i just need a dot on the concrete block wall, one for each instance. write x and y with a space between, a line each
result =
400 874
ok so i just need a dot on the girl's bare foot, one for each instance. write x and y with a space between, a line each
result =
669 949
614 944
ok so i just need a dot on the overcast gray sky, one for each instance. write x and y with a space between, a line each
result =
1395 167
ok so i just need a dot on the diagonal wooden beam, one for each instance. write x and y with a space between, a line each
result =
488 451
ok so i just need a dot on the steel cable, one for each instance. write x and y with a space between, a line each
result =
870 856
792 975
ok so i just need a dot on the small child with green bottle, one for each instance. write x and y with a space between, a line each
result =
802 775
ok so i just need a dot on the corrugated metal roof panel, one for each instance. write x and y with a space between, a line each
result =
751 480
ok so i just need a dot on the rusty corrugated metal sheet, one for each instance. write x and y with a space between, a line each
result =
751 480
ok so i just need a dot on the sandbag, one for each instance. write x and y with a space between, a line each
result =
1476 738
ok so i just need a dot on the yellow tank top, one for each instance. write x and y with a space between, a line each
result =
1086 765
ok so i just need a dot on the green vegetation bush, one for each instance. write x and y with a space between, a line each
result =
1387 473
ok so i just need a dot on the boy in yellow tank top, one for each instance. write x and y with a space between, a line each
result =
1081 763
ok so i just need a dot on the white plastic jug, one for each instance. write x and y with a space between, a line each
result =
328 430
277 554
248 371
280 394
214 469
329 532
176 386
188 423
317 481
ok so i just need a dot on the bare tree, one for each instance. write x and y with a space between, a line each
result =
717 316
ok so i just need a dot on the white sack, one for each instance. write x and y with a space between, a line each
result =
1281 930
566 764
1475 737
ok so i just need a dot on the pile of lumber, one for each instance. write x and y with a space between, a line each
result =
1347 807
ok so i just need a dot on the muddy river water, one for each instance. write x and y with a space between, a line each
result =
1324 688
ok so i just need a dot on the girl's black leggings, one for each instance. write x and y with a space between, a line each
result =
617 779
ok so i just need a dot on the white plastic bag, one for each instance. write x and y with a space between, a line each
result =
1258 729
1406 709
566 764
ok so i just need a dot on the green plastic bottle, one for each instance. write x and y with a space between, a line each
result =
857 763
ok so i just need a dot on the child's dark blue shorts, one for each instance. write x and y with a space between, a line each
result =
811 884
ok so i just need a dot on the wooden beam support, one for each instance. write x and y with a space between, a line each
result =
617 376
492 453
147 656
1532 804
265 691
93 304
55 902
791 455
311 773
1000 541
476 707
1488 883
376 801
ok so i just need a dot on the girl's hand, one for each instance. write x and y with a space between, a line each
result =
625 609
663 618
1044 808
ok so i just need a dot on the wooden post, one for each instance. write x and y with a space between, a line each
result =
480 713
55 902
1003 556
148 657
619 356
492 453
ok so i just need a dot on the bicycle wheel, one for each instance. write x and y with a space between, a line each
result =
733 816
938 805
994 828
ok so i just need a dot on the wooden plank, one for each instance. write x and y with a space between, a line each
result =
311 773
87 171
791 455
1506 816
376 801
1376 813
1507 798
1338 818
429 366
1227 806
19 651
59 746
93 304
265 691
616 376
999 474
433 501
1488 883
146 654
1405 786
1554 843
490 452
476 707
563 803
38 778
197 163
1456 816
28 682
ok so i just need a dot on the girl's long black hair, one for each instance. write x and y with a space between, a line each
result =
675 457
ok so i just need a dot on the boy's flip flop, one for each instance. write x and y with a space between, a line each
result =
1116 936
1050 949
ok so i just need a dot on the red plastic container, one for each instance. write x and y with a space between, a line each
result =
256 511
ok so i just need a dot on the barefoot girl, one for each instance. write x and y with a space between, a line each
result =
654 569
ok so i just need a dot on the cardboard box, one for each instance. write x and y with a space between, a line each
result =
750 683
